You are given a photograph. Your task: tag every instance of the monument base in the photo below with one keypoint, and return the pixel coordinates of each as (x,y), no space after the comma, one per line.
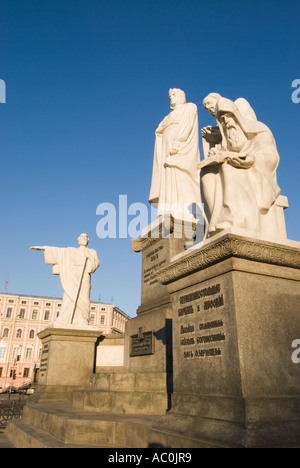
(148,338)
(233,307)
(67,361)
(235,317)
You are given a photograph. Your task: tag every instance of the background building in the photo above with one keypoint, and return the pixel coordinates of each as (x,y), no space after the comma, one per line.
(22,317)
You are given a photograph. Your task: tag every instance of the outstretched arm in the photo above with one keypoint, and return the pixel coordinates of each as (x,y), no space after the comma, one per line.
(37,248)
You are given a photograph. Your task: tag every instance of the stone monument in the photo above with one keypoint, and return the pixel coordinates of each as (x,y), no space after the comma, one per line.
(238,175)
(175,178)
(208,359)
(175,192)
(74,266)
(68,351)
(235,297)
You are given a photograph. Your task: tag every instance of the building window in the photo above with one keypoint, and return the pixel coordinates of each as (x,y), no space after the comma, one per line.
(34,315)
(36,303)
(23,302)
(103,308)
(28,353)
(22,313)
(11,301)
(5,332)
(1,370)
(92,319)
(9,312)
(19,333)
(31,334)
(2,352)
(12,374)
(48,304)
(47,315)
(102,320)
(26,372)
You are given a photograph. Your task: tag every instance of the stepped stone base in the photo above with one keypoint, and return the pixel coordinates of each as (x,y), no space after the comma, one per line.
(117,404)
(231,380)
(60,425)
(125,393)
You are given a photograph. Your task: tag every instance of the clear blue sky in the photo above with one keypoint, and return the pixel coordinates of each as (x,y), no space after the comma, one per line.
(87,84)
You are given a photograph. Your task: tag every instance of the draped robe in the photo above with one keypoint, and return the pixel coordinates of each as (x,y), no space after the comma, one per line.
(243,197)
(175,178)
(68,263)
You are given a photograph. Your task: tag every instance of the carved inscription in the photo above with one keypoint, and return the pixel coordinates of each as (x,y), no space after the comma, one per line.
(44,359)
(155,264)
(142,344)
(199,294)
(201,337)
(185,311)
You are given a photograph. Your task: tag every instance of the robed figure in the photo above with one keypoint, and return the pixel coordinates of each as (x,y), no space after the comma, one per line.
(238,176)
(74,266)
(175,180)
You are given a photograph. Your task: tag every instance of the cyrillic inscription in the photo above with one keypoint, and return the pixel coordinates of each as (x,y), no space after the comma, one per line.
(44,360)
(214,303)
(185,311)
(210,338)
(142,344)
(201,306)
(199,294)
(213,324)
(149,273)
(187,329)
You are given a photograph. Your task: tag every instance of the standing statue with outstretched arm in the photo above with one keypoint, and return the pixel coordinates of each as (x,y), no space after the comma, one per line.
(74,266)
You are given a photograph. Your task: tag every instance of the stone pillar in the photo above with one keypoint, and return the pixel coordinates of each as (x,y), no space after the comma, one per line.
(148,336)
(67,361)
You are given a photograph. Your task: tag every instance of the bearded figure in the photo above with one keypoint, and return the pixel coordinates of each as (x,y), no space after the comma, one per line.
(238,177)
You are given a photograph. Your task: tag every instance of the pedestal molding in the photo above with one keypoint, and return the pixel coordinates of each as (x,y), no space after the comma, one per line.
(230,246)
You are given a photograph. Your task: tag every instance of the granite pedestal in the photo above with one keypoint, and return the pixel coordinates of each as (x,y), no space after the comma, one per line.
(148,336)
(235,316)
(67,361)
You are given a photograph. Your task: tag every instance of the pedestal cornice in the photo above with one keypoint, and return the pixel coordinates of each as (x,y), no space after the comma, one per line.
(226,247)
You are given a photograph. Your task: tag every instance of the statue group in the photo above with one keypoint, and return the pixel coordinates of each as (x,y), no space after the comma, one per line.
(235,183)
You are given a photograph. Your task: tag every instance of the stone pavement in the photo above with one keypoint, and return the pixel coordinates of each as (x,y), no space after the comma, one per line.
(4,443)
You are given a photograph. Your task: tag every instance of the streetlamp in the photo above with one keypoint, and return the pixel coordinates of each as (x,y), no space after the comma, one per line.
(9,349)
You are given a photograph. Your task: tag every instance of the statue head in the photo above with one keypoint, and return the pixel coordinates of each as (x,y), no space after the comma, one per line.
(83,239)
(210,102)
(177,96)
(233,132)
(233,126)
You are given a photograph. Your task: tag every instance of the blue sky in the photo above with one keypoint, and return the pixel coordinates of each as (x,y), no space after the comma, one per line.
(87,84)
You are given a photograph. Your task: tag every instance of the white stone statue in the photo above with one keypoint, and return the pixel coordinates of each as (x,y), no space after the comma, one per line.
(175,179)
(74,265)
(238,176)
(211,135)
